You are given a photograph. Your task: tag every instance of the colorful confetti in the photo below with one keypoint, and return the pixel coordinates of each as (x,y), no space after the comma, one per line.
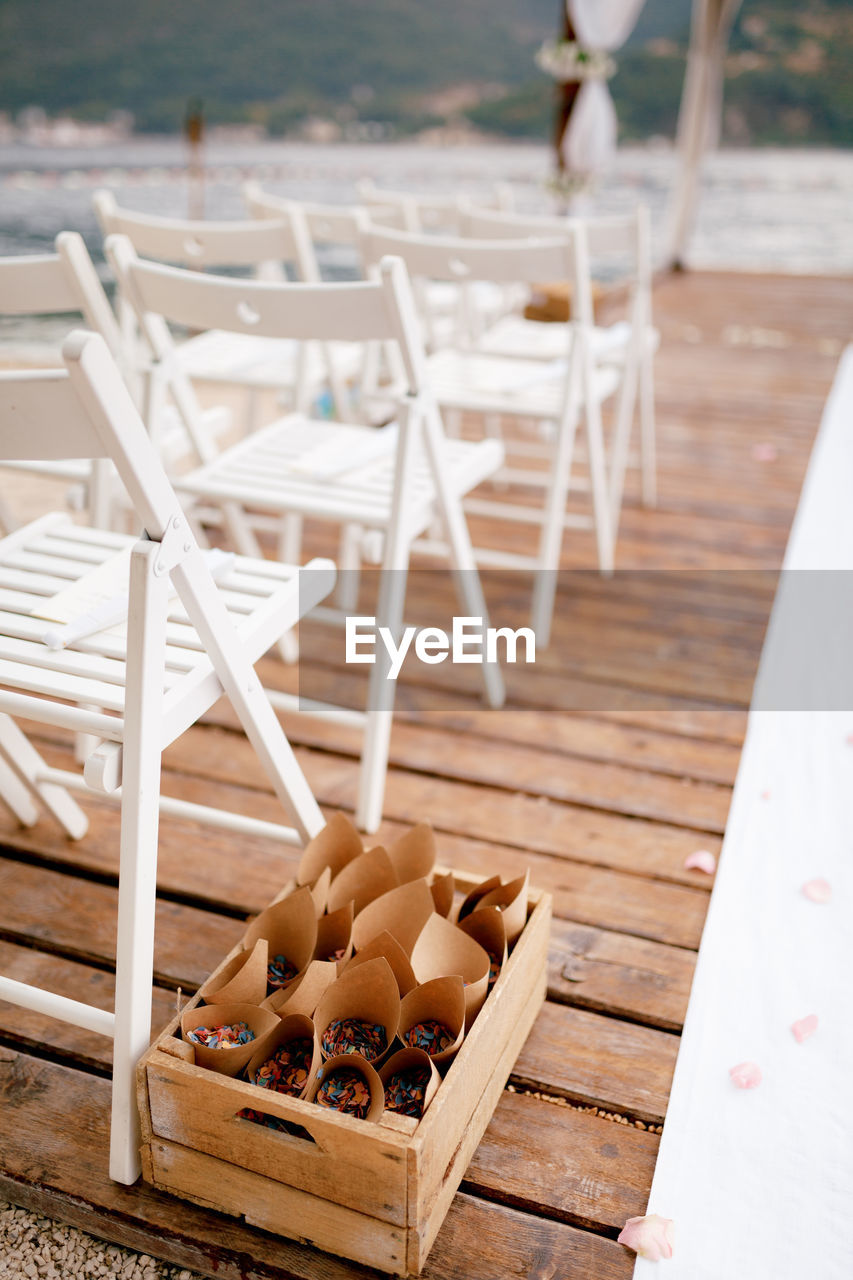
(405,1091)
(431,1036)
(345,1091)
(280,971)
(351,1035)
(287,1070)
(222,1037)
(494,968)
(335,955)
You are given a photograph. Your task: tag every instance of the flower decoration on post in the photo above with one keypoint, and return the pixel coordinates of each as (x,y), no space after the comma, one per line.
(567,61)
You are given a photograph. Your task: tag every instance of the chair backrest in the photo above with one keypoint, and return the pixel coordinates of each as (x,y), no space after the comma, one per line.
(327,223)
(460,259)
(86,411)
(437,213)
(349,311)
(625,235)
(59,283)
(199,244)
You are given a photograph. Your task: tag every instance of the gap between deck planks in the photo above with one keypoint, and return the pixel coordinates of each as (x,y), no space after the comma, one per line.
(593,798)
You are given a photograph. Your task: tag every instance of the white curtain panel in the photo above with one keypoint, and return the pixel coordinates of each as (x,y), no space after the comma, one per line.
(590,139)
(604,24)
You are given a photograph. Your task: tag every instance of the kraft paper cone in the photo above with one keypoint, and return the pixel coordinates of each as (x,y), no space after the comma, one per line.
(402,912)
(408,1060)
(413,854)
(304,992)
(367,992)
(486,926)
(320,890)
(294,1027)
(242,981)
(385,944)
(229,1061)
(442,950)
(367,877)
(442,999)
(333,847)
(334,933)
(353,1062)
(442,890)
(290,928)
(475,895)
(512,900)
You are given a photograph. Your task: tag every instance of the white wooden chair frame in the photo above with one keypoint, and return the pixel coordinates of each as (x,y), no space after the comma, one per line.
(634,351)
(399,496)
(174,663)
(57,284)
(300,369)
(578,391)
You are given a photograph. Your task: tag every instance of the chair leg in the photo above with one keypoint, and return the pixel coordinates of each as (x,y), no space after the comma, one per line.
(598,481)
(389,613)
(290,552)
(140,813)
(25,763)
(551,538)
(462,558)
(648,459)
(625,407)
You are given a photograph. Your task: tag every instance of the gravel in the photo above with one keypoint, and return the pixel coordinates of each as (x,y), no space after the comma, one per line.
(36,1248)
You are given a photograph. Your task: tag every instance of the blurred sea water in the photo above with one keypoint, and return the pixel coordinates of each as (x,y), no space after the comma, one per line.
(760,210)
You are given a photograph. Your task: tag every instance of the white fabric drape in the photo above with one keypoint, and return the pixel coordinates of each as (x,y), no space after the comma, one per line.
(590,139)
(604,24)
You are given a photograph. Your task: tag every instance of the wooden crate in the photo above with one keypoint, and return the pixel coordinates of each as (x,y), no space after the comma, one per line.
(373,1192)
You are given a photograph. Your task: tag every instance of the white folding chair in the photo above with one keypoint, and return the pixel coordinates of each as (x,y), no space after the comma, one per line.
(445,306)
(62,283)
(394,481)
(152,678)
(299,371)
(553,396)
(619,249)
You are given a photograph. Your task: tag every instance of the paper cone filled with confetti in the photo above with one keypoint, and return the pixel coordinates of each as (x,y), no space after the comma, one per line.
(225,1036)
(432,1018)
(367,877)
(410,1079)
(349,1084)
(442,889)
(486,926)
(243,980)
(413,854)
(386,945)
(304,993)
(334,936)
(512,900)
(333,847)
(290,928)
(402,912)
(477,894)
(359,1012)
(442,950)
(288,1061)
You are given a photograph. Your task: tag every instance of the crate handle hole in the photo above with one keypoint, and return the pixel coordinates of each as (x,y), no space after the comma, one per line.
(276,1124)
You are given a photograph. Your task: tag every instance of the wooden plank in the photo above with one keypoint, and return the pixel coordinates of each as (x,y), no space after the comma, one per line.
(563,1163)
(599,1062)
(57,1174)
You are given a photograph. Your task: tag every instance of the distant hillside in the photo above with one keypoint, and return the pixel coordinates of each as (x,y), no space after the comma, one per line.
(400,66)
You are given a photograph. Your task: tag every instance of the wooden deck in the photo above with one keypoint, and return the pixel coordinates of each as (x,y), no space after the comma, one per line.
(604,804)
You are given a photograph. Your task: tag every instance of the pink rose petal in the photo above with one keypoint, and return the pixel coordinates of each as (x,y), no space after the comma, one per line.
(849,739)
(701,860)
(764,452)
(652,1237)
(819,890)
(765,795)
(804,1027)
(746,1075)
